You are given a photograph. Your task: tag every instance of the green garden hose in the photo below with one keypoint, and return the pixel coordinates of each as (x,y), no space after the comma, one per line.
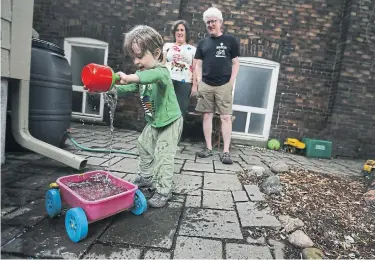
(97,150)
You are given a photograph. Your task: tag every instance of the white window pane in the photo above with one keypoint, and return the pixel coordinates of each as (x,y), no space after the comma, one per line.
(80,57)
(256,124)
(239,124)
(252,87)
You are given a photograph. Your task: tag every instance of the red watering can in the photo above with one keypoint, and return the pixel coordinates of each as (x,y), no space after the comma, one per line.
(98,78)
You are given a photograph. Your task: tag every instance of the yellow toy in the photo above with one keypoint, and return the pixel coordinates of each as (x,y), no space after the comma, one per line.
(368,168)
(53,185)
(293,145)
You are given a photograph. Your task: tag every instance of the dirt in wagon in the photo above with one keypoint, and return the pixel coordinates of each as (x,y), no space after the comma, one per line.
(336,217)
(96,187)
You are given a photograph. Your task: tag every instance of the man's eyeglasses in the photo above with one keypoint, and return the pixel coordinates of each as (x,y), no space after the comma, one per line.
(211,21)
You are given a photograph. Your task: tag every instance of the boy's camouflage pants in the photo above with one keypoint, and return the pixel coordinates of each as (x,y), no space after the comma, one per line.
(157,148)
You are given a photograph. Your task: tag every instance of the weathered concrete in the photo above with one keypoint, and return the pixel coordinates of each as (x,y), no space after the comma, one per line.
(240,251)
(197,248)
(200,218)
(217,199)
(224,182)
(155,228)
(251,217)
(210,223)
(254,193)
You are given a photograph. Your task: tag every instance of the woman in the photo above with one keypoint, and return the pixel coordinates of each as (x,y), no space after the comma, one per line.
(179,57)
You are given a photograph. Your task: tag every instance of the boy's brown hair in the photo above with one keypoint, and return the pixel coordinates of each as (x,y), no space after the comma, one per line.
(147,39)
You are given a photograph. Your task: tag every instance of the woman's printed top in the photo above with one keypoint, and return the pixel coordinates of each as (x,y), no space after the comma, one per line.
(179,61)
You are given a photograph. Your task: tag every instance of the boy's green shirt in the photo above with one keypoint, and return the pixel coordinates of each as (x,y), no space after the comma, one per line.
(157,95)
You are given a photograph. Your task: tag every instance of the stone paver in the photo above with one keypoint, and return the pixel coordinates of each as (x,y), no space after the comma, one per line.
(185,156)
(9,232)
(18,196)
(210,223)
(243,251)
(193,201)
(197,248)
(99,251)
(278,248)
(177,168)
(96,161)
(225,172)
(192,173)
(7,210)
(119,174)
(225,182)
(198,167)
(154,254)
(128,165)
(155,228)
(235,167)
(251,217)
(187,184)
(217,199)
(208,205)
(28,215)
(112,160)
(240,196)
(252,160)
(254,193)
(33,182)
(49,240)
(130,177)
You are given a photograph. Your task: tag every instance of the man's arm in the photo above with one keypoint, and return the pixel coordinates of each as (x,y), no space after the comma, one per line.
(235,68)
(197,75)
(198,70)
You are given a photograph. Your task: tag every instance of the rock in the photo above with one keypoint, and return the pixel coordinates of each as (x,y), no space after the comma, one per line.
(272,185)
(312,253)
(349,239)
(290,224)
(279,167)
(260,240)
(369,197)
(257,171)
(300,239)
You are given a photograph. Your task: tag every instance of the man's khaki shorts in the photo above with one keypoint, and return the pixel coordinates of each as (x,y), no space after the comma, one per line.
(214,99)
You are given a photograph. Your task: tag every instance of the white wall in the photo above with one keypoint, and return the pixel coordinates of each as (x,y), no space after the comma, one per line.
(4,97)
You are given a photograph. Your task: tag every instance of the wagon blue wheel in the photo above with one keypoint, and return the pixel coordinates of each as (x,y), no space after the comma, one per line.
(140,203)
(53,202)
(76,224)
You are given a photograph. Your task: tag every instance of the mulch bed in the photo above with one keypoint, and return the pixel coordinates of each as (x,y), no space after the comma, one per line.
(331,207)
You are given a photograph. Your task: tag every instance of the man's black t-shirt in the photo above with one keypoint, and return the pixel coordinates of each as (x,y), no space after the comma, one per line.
(216,54)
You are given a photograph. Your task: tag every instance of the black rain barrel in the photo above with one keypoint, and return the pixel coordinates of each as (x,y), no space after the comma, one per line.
(51,93)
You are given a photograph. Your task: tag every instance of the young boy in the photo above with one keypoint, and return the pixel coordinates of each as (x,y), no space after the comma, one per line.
(157,145)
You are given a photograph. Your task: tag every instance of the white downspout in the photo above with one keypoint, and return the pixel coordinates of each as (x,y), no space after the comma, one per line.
(20,129)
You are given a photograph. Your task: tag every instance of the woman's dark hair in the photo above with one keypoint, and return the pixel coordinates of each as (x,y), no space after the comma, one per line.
(174,29)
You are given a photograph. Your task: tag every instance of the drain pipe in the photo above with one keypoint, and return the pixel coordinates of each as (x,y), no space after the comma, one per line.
(20,129)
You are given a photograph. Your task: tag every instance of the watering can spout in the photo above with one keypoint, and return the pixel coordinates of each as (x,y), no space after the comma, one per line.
(98,78)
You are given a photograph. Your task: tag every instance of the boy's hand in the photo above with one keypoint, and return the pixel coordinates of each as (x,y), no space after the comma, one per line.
(123,78)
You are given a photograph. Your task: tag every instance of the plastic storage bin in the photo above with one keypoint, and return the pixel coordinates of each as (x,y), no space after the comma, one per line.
(317,148)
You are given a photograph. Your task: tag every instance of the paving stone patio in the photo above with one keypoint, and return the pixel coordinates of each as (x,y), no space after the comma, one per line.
(209,216)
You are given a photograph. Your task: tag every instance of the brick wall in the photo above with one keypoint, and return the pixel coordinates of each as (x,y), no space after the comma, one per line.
(105,20)
(325,87)
(352,123)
